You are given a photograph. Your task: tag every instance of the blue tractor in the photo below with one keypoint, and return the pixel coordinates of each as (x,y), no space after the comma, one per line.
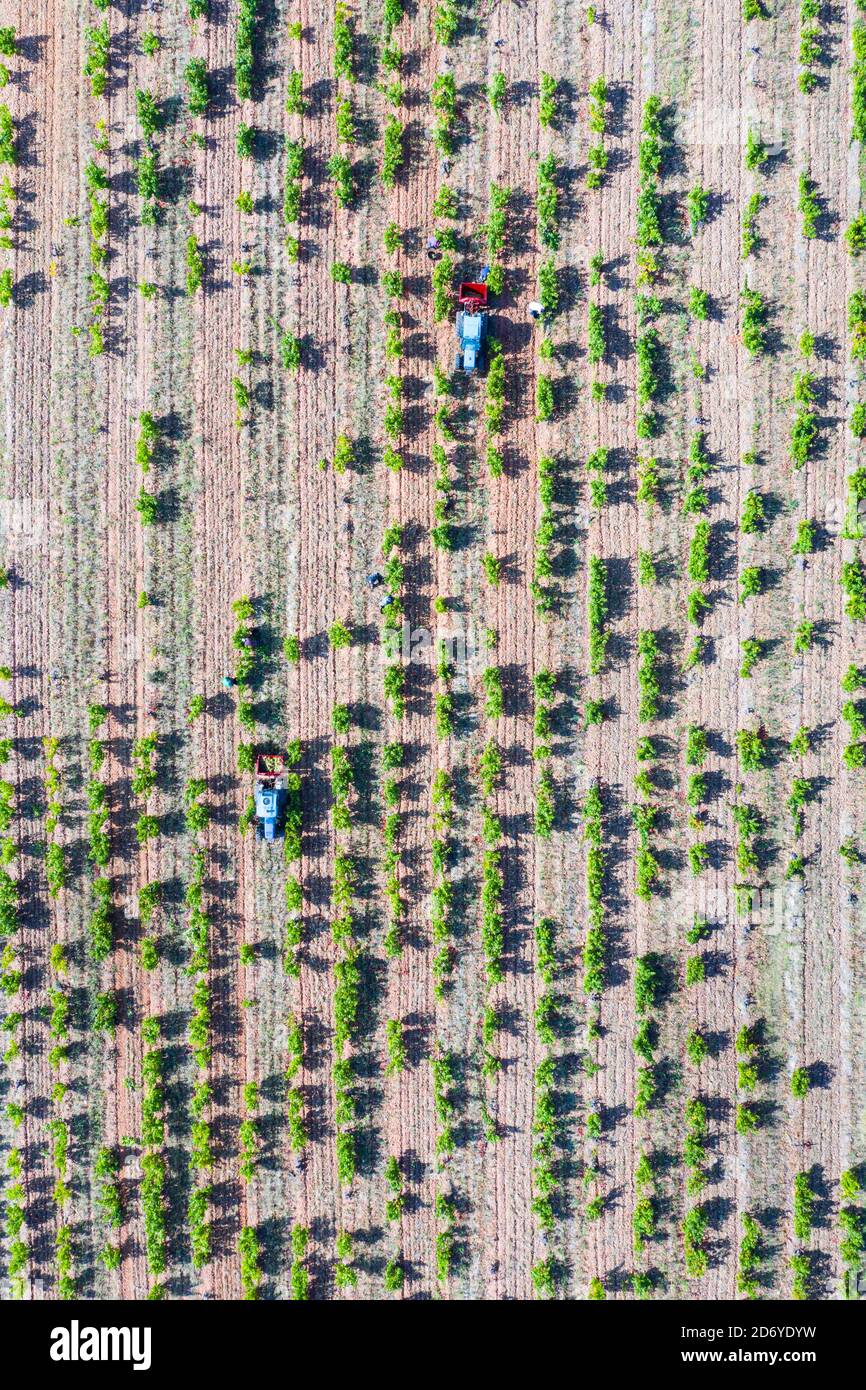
(471,327)
(270,795)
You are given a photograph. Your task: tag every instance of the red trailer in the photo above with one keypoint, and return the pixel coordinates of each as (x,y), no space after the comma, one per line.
(472,296)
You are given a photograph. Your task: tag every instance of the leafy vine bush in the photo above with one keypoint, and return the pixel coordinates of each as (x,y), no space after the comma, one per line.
(750,240)
(751,582)
(443,99)
(596,342)
(340,169)
(544,398)
(753,323)
(853,580)
(446,22)
(492,928)
(851,1223)
(855,235)
(442,894)
(496,92)
(597,154)
(699,303)
(751,748)
(646,865)
(347,978)
(344,44)
(856,495)
(295,104)
(548,286)
(97,44)
(544,684)
(594,947)
(597,613)
(699,553)
(697,206)
(648,352)
(199,1226)
(748,1257)
(858,81)
(648,680)
(752,650)
(245,47)
(857,325)
(810,45)
(808,206)
(647,482)
(547,202)
(494,703)
(249,1251)
(545,805)
(194,266)
(753,515)
(393,1177)
(494,406)
(100,923)
(153,1205)
(63,1253)
(444,1081)
(197,86)
(804,1203)
(106,1171)
(393,154)
(804,541)
(646,983)
(804,430)
(443,277)
(756,153)
(545,534)
(547,91)
(292,188)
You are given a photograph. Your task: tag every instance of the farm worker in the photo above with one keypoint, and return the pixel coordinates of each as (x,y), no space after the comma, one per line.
(432,247)
(535,309)
(485,271)
(228,681)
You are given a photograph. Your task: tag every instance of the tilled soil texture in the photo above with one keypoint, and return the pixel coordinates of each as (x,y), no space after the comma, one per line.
(230,422)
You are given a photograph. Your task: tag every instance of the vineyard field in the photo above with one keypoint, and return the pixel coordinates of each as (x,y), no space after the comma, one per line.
(552,982)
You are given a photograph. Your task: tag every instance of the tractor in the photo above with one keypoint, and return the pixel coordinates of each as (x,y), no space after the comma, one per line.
(270,795)
(471,326)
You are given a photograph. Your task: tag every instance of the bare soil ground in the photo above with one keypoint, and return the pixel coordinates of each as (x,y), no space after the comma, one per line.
(250,510)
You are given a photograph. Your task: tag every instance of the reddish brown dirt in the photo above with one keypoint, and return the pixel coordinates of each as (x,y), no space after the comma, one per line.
(250,511)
